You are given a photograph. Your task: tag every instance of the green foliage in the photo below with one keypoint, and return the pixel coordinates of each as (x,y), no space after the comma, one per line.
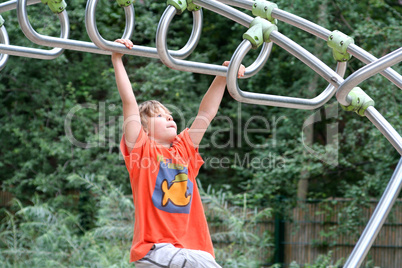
(243,247)
(41,235)
(58,181)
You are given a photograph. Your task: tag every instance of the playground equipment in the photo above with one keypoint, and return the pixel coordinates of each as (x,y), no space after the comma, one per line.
(262,32)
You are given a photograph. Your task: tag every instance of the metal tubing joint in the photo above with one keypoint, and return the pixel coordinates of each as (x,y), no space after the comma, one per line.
(124,3)
(191,6)
(339,43)
(56,6)
(259,32)
(264,10)
(359,101)
(180,5)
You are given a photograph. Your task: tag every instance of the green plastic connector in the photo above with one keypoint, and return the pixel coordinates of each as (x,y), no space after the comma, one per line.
(259,32)
(124,3)
(360,101)
(191,6)
(339,43)
(56,6)
(180,5)
(1,21)
(264,10)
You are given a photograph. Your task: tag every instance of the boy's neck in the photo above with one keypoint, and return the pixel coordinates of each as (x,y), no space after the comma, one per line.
(162,144)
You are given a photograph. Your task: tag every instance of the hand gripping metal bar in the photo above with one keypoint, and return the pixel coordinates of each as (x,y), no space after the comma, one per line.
(244,20)
(62,42)
(197,67)
(35,53)
(320,32)
(148,52)
(272,100)
(365,73)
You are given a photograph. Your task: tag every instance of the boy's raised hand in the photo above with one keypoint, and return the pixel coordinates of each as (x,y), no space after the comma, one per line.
(125,42)
(242,69)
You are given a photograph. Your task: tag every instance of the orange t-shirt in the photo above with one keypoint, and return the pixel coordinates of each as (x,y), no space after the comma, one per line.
(168,206)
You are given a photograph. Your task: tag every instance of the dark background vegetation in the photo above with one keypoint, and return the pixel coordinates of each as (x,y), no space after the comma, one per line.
(72,205)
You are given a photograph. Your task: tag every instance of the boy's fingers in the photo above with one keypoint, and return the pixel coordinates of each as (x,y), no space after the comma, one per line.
(125,42)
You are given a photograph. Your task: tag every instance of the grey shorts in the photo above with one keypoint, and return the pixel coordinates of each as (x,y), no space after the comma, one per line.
(168,256)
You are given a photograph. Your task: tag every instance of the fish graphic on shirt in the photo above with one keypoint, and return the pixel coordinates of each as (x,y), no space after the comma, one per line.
(177,191)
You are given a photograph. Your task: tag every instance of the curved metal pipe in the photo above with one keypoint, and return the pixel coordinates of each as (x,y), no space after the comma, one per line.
(94,35)
(12,4)
(196,67)
(320,32)
(273,100)
(377,219)
(365,73)
(35,53)
(3,40)
(367,58)
(385,128)
(246,4)
(226,11)
(305,56)
(62,42)
(301,23)
(262,58)
(130,22)
(323,33)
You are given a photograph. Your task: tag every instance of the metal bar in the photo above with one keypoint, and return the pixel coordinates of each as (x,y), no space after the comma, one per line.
(366,72)
(385,127)
(287,17)
(26,51)
(3,40)
(323,33)
(181,65)
(62,42)
(94,35)
(262,58)
(226,11)
(246,4)
(320,32)
(367,58)
(11,5)
(306,57)
(301,23)
(35,53)
(196,67)
(273,100)
(377,219)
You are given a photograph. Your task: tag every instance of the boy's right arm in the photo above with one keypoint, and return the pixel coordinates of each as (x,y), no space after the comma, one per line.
(131,114)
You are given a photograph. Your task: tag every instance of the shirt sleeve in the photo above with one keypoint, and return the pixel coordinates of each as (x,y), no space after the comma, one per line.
(132,158)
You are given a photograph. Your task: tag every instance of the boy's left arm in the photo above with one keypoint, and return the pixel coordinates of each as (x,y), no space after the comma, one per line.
(209,106)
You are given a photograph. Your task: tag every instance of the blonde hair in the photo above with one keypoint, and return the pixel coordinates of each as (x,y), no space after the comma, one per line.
(148,109)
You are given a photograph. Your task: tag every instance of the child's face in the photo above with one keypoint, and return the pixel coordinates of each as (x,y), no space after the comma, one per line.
(162,128)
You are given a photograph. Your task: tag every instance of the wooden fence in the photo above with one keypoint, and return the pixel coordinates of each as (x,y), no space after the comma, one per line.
(5,198)
(314,229)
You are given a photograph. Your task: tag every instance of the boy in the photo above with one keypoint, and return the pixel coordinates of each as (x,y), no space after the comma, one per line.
(170,227)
